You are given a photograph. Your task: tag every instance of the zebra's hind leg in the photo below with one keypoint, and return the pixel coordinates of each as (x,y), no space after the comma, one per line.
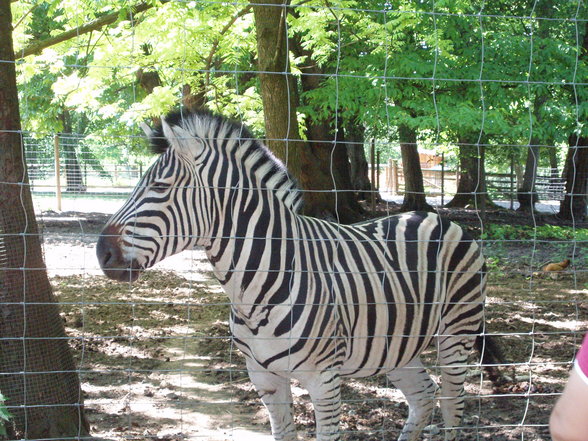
(453,356)
(276,395)
(415,383)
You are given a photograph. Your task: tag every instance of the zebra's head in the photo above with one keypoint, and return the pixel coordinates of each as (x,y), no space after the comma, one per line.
(161,217)
(204,161)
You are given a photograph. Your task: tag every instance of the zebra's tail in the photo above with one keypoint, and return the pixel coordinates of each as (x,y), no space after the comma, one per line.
(492,356)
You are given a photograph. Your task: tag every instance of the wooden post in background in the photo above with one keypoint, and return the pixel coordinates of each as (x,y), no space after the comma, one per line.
(378,171)
(388,178)
(394,174)
(57,172)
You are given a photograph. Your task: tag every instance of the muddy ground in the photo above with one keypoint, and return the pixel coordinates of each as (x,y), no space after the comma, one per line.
(156,360)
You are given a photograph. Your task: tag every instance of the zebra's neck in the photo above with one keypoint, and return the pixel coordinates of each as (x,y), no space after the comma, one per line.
(253,246)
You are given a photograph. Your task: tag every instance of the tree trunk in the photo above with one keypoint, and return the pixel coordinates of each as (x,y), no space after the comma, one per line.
(193,100)
(330,150)
(279,97)
(414,189)
(327,142)
(471,185)
(574,205)
(39,376)
(148,80)
(358,165)
(73,172)
(526,194)
(553,172)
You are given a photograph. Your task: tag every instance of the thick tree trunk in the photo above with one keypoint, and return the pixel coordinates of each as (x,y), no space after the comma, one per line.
(553,172)
(277,85)
(471,185)
(358,165)
(327,142)
(148,80)
(526,194)
(38,374)
(330,150)
(574,205)
(279,97)
(414,189)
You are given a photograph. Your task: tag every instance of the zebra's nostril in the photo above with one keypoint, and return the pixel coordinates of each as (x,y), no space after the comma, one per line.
(107,248)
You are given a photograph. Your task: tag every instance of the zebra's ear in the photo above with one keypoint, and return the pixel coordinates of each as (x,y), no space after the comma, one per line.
(181,140)
(148,130)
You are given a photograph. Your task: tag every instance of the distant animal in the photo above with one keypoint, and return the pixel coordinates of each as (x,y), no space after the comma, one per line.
(560,266)
(310,299)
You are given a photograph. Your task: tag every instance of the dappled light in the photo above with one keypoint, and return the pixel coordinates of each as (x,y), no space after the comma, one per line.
(272,220)
(159,356)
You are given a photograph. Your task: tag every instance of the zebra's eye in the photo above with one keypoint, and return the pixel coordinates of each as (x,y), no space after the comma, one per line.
(160,187)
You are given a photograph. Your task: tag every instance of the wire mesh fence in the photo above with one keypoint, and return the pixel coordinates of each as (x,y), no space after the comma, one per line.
(488,95)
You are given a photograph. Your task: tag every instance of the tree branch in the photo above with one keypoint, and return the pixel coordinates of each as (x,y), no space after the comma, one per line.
(24,16)
(216,42)
(94,25)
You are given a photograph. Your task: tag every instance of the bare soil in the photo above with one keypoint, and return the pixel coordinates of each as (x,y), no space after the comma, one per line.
(156,360)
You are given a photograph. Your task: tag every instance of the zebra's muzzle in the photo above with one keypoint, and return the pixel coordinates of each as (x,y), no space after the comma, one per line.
(111,259)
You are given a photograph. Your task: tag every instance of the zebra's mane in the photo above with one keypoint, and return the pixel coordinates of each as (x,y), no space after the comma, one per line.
(249,152)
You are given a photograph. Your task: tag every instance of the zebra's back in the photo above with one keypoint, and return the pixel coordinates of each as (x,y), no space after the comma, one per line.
(402,280)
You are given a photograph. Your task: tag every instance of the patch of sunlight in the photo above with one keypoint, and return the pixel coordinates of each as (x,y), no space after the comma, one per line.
(187,381)
(570,325)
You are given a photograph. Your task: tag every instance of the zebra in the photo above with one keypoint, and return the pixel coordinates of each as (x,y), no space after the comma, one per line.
(311,300)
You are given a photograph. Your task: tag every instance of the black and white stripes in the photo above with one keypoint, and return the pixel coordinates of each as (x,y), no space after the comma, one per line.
(311,300)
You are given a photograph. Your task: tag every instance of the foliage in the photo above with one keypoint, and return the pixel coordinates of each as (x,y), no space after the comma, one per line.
(539,232)
(4,415)
(94,77)
(503,73)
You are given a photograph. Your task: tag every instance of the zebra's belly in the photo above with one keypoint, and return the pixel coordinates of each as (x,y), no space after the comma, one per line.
(387,334)
(286,353)
(380,354)
(360,356)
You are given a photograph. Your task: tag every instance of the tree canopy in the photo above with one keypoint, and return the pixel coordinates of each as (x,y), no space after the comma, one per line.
(503,74)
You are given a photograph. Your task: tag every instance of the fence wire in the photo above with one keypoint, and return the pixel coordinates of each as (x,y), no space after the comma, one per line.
(155,358)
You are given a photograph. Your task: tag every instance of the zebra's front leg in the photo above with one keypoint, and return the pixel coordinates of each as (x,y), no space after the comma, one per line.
(416,384)
(276,395)
(324,389)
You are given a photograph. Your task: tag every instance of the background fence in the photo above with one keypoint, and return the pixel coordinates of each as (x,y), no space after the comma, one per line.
(83,175)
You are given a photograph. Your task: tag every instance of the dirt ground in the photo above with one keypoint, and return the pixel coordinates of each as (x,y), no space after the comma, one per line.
(156,360)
